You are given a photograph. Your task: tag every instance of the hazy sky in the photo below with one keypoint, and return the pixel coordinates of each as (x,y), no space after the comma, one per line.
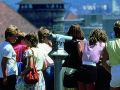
(79,6)
(89,6)
(12,3)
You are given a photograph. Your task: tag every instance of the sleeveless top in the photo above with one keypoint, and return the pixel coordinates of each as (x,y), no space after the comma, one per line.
(91,53)
(113,48)
(74,59)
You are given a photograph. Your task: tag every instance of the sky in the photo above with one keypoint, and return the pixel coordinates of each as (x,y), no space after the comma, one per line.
(89,6)
(78,6)
(12,3)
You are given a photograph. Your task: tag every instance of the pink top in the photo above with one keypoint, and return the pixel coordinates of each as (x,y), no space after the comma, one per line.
(92,53)
(19,49)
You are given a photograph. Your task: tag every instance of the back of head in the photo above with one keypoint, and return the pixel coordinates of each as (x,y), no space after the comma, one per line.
(43,34)
(10,31)
(43,31)
(116,28)
(99,34)
(32,38)
(92,41)
(20,36)
(76,32)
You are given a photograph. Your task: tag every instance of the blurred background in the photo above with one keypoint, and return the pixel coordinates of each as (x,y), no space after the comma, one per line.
(58,15)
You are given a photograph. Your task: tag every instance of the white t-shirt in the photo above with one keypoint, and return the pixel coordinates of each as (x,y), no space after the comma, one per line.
(38,57)
(46,49)
(6,50)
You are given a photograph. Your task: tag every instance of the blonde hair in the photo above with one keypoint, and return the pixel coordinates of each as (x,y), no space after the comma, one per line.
(43,33)
(11,30)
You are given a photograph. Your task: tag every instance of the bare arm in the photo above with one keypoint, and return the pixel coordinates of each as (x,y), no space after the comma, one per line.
(4,68)
(104,58)
(29,67)
(80,49)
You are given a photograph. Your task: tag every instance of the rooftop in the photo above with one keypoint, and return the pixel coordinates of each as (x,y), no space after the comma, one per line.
(9,16)
(42,2)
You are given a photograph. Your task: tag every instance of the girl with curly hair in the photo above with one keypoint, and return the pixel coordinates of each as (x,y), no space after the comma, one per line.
(91,56)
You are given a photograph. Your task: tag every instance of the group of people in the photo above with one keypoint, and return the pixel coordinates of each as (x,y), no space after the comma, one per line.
(20,52)
(94,63)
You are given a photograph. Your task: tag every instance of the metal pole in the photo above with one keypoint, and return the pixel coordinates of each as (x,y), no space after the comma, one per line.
(58,73)
(58,56)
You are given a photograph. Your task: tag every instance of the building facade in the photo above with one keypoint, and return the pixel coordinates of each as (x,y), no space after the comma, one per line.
(58,15)
(46,13)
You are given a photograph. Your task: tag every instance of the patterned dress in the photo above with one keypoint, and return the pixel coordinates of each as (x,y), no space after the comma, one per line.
(39,59)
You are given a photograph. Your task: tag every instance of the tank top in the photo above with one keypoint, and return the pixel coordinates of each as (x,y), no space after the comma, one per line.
(74,60)
(92,53)
(113,48)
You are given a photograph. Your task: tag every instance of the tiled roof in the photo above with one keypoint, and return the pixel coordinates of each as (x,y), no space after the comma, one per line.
(42,2)
(9,16)
(71,16)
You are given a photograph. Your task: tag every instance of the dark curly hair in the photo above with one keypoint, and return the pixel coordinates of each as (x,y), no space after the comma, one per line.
(92,41)
(76,32)
(99,34)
